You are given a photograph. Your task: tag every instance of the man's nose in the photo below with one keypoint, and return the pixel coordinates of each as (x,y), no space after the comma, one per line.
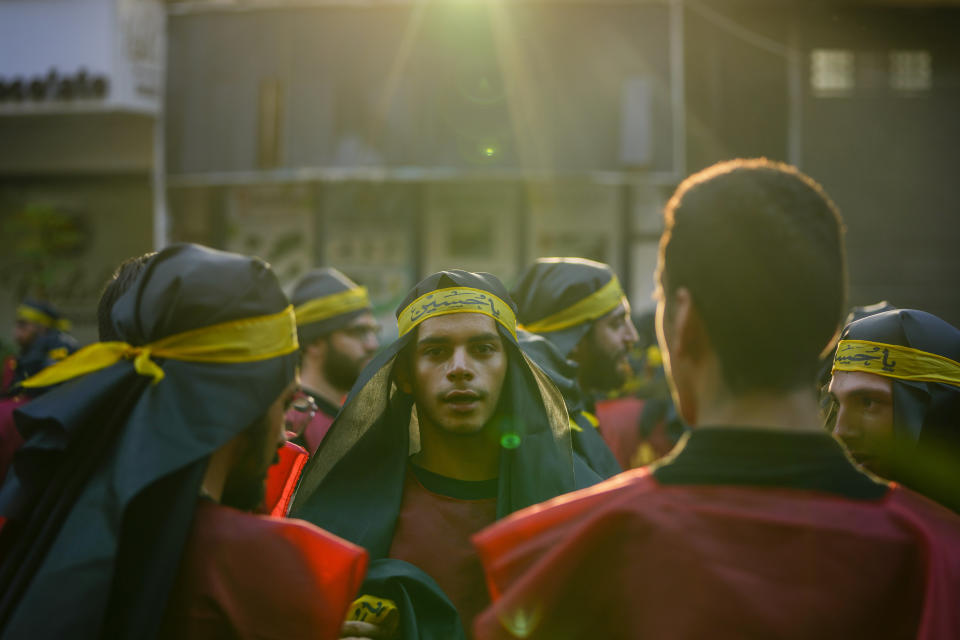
(845,428)
(630,335)
(459,365)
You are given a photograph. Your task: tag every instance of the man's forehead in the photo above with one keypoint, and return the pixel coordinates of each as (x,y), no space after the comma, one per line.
(618,311)
(847,382)
(365,319)
(457,325)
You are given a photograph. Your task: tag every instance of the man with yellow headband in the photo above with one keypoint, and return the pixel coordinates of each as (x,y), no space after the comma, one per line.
(127,511)
(577,328)
(896,394)
(41,336)
(338,337)
(449,428)
(757,525)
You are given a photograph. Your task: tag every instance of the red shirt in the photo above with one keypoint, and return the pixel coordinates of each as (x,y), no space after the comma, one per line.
(433,532)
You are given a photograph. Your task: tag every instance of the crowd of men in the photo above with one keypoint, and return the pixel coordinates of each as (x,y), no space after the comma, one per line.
(228,462)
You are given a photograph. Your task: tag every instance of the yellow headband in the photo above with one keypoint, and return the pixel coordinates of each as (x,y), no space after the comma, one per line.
(457,300)
(895,361)
(597,304)
(245,340)
(39,317)
(333,305)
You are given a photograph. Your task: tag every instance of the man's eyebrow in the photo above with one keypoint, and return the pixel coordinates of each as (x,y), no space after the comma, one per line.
(484,337)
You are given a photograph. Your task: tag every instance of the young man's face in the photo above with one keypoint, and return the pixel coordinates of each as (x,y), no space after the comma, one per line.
(864,418)
(602,352)
(457,370)
(348,350)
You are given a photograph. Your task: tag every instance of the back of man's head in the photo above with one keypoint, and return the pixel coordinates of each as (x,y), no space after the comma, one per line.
(759,246)
(127,271)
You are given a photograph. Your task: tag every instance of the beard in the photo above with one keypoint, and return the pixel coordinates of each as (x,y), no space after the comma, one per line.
(340,369)
(603,371)
(245,486)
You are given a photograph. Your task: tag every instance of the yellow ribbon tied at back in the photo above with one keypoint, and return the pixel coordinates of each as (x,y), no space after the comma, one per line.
(245,340)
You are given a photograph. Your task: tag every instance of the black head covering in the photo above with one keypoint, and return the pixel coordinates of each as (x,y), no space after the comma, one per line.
(926,414)
(552,285)
(316,285)
(121,460)
(353,486)
(43,313)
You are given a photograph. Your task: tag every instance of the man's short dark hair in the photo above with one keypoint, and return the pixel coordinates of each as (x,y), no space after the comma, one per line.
(759,245)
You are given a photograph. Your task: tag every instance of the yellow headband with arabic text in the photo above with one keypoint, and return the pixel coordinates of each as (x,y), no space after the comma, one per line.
(894,361)
(244,340)
(456,300)
(43,319)
(333,305)
(597,304)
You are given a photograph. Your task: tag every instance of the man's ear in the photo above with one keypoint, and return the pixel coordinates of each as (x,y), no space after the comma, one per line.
(585,344)
(687,331)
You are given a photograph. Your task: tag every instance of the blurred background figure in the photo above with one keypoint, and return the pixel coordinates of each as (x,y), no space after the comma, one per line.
(896,396)
(338,337)
(577,328)
(40,333)
(642,408)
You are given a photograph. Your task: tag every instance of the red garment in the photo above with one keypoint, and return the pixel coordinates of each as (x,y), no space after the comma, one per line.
(8,369)
(247,576)
(630,558)
(433,532)
(619,427)
(282,479)
(10,439)
(312,428)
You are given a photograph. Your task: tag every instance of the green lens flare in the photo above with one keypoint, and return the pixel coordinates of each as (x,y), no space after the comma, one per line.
(510,441)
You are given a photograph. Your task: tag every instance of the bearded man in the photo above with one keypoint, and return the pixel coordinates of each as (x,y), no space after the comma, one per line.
(338,337)
(577,328)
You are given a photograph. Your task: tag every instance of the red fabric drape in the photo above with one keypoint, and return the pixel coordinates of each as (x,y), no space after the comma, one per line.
(630,558)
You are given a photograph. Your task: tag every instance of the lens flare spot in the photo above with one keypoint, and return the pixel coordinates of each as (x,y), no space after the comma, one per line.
(510,441)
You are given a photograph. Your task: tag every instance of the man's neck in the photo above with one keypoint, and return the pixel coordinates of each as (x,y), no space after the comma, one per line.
(461,457)
(788,411)
(316,383)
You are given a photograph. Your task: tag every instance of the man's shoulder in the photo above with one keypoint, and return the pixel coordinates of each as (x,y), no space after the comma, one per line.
(937,523)
(228,528)
(569,508)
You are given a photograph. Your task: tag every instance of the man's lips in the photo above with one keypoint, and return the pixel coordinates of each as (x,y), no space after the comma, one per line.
(462,399)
